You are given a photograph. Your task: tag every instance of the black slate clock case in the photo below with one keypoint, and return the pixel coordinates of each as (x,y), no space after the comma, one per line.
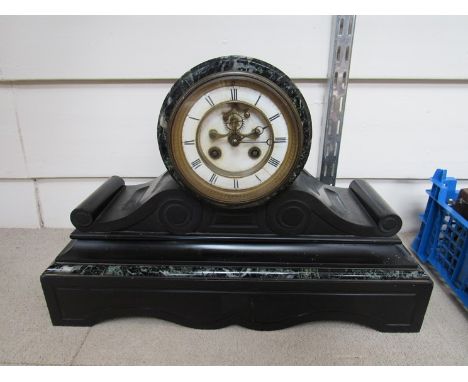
(311,252)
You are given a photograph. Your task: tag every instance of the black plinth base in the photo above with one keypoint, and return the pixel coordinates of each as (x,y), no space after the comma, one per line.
(262,284)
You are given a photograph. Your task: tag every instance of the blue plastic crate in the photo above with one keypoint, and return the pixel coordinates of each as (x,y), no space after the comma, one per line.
(442,241)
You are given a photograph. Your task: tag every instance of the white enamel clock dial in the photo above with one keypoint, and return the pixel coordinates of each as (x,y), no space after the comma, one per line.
(234,137)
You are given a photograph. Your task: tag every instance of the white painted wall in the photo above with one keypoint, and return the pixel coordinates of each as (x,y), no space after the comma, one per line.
(80,96)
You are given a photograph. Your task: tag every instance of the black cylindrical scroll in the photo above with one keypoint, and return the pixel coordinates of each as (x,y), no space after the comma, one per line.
(384,216)
(86,213)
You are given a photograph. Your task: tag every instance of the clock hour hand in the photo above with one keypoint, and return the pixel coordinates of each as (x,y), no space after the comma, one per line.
(261,129)
(213,133)
(255,133)
(235,137)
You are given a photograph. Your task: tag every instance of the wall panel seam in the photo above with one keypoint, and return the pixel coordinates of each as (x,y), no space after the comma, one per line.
(19,132)
(38,203)
(170,81)
(25,160)
(74,178)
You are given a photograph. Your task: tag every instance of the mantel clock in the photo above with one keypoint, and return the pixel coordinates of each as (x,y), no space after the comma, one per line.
(236,231)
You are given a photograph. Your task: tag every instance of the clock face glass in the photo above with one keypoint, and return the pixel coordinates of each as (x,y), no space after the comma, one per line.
(235,138)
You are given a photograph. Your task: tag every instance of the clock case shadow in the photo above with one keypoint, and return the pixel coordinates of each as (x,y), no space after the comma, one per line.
(313,252)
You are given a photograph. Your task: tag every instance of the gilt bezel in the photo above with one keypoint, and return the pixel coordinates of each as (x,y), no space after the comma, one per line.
(222,195)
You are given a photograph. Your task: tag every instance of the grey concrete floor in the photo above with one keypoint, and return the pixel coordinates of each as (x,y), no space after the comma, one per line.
(27,336)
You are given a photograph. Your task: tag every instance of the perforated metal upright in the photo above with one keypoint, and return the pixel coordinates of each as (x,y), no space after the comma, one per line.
(338,75)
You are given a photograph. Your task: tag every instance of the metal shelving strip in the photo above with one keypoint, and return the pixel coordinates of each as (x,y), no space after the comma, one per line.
(339,65)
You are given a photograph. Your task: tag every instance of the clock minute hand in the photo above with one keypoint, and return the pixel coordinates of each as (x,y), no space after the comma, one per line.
(268,142)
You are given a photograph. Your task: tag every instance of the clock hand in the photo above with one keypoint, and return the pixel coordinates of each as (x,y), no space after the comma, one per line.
(234,136)
(269,142)
(261,129)
(213,133)
(252,134)
(256,132)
